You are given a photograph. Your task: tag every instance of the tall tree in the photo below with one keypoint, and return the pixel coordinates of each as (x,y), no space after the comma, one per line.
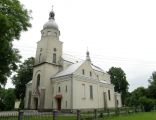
(152,86)
(118,78)
(23,76)
(14,18)
(7,99)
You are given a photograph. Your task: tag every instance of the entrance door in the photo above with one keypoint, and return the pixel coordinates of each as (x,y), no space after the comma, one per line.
(59,104)
(105,100)
(36,103)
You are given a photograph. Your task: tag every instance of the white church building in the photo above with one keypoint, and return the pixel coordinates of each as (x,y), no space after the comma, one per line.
(64,83)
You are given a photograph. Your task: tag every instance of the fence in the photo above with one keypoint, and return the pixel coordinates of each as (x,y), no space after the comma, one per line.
(96,114)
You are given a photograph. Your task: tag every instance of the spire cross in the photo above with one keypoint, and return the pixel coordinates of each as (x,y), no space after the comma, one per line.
(52,7)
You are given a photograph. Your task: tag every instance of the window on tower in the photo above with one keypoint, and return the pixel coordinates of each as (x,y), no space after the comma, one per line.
(54,57)
(39,59)
(38,81)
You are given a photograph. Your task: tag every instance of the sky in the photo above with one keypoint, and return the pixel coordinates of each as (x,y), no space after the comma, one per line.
(119,33)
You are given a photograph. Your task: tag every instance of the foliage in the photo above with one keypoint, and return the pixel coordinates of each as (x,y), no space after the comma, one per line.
(118,78)
(133,99)
(23,76)
(7,99)
(147,103)
(14,18)
(152,86)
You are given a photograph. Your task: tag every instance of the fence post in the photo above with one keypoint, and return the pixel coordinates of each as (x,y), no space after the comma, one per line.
(55,115)
(78,114)
(95,114)
(20,114)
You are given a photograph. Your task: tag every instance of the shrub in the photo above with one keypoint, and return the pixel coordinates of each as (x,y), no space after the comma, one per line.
(147,103)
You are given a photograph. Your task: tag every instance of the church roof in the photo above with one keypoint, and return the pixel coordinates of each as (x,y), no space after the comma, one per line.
(74,59)
(69,70)
(71,58)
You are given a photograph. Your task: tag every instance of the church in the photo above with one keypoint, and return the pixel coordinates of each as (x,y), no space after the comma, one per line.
(63,82)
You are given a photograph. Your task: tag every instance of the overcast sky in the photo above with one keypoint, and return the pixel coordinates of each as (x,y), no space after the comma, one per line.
(118,33)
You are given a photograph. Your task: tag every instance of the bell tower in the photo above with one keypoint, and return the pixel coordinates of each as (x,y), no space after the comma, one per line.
(49,48)
(47,64)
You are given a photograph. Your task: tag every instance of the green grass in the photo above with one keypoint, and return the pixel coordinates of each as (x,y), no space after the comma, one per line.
(134,116)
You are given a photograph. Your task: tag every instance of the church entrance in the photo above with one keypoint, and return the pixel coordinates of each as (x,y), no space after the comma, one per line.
(36,103)
(59,104)
(58,99)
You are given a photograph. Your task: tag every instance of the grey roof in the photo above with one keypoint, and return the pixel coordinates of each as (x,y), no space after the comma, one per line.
(74,59)
(69,70)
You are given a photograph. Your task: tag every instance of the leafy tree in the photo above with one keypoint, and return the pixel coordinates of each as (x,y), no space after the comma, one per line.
(133,99)
(118,78)
(2,93)
(147,103)
(152,86)
(14,18)
(7,99)
(23,76)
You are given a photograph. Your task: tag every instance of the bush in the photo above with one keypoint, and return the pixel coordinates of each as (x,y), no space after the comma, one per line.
(147,103)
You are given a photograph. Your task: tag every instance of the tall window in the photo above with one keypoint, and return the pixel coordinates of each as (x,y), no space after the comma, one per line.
(91,92)
(59,89)
(39,59)
(38,81)
(66,88)
(54,57)
(83,72)
(109,96)
(90,74)
(83,91)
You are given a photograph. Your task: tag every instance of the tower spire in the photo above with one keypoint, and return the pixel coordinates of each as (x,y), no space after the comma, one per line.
(52,14)
(87,55)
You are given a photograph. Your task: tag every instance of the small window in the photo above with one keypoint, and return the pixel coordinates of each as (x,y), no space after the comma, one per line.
(97,76)
(91,92)
(38,81)
(66,88)
(83,72)
(90,74)
(55,49)
(109,96)
(59,89)
(54,57)
(49,33)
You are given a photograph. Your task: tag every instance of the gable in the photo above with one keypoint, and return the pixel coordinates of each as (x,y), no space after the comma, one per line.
(69,70)
(88,70)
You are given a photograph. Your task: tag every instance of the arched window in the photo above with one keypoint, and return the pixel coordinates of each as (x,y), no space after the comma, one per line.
(90,74)
(39,59)
(83,72)
(59,89)
(38,81)
(54,57)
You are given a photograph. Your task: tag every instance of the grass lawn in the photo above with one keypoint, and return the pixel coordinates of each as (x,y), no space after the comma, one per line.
(136,116)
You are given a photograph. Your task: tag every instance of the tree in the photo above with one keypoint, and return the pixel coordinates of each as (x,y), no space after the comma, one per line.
(118,78)
(23,76)
(7,99)
(14,18)
(152,86)
(133,99)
